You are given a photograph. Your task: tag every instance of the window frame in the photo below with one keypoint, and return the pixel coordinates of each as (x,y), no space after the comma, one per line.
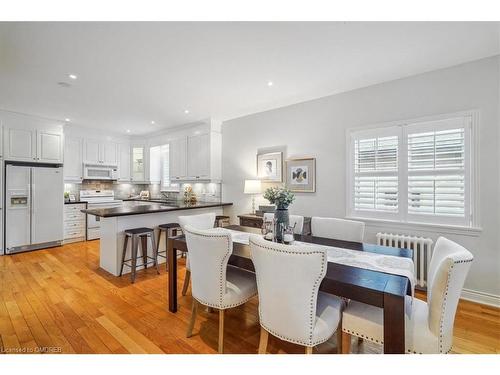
(471,203)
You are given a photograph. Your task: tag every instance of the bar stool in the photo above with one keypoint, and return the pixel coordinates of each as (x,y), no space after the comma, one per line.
(221,221)
(170,230)
(143,234)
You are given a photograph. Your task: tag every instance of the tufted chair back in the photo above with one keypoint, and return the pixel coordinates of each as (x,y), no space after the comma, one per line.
(288,279)
(339,229)
(296,220)
(202,221)
(209,252)
(448,269)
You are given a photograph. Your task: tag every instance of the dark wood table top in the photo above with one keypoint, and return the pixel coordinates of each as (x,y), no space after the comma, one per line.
(343,280)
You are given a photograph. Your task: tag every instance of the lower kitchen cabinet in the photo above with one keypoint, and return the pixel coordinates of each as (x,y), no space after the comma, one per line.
(75,225)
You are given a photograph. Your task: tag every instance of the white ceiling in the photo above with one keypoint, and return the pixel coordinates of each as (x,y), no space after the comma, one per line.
(132,73)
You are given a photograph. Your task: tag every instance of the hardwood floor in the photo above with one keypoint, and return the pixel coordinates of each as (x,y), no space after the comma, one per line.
(59,301)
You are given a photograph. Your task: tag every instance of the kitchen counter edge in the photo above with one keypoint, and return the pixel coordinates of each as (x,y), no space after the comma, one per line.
(144,210)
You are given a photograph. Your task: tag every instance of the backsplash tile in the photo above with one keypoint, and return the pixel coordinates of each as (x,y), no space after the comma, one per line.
(206,192)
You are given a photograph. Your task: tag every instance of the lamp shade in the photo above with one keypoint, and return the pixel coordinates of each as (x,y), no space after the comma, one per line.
(252,187)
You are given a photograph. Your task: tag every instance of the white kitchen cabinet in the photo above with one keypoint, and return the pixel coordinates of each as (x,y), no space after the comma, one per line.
(73,159)
(1,139)
(109,153)
(178,159)
(31,139)
(91,151)
(21,144)
(74,222)
(49,146)
(155,165)
(198,157)
(124,162)
(98,152)
(138,153)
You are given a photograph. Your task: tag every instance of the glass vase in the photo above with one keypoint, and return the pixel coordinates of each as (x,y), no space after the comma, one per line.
(282,219)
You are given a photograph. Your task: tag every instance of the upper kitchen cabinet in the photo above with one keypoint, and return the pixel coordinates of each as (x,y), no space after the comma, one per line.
(139,170)
(31,139)
(197,155)
(178,159)
(73,159)
(109,153)
(49,146)
(98,152)
(124,162)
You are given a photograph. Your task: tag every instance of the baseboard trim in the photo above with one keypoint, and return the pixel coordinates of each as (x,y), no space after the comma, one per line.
(481,297)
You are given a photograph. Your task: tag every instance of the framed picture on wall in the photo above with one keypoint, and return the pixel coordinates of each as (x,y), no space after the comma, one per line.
(301,175)
(270,166)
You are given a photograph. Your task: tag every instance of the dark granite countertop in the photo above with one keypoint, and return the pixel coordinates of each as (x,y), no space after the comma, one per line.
(151,208)
(155,200)
(75,202)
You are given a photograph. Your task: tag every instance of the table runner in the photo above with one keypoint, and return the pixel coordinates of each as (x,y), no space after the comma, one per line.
(362,259)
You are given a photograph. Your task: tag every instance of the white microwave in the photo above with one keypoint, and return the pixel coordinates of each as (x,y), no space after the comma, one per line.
(100,172)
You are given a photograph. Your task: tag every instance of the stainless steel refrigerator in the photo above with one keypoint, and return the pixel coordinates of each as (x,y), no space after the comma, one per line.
(34,207)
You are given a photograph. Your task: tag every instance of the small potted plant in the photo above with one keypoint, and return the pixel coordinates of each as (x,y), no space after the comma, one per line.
(282,198)
(66,196)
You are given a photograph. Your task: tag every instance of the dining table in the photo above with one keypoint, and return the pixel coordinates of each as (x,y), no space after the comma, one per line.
(373,287)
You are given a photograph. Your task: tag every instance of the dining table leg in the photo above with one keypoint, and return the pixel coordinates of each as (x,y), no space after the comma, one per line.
(394,316)
(172,275)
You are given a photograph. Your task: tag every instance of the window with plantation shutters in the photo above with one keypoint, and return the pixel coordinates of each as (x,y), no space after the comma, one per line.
(438,171)
(375,162)
(413,172)
(165,165)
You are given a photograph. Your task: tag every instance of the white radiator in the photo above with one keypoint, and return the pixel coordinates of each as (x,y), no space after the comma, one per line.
(422,252)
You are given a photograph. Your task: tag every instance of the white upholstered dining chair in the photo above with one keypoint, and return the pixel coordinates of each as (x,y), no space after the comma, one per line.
(429,327)
(214,283)
(339,229)
(291,307)
(202,221)
(296,221)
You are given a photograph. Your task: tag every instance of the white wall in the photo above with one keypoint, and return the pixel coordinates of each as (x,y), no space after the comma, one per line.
(317,128)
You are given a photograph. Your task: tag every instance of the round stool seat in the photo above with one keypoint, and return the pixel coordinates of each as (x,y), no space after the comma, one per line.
(138,231)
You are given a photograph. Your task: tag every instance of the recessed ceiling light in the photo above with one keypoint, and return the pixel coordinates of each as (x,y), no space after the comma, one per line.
(72,76)
(152,122)
(186,111)
(67,119)
(270,83)
(128,130)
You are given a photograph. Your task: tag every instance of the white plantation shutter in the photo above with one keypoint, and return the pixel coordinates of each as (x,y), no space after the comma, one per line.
(438,171)
(165,165)
(418,172)
(375,179)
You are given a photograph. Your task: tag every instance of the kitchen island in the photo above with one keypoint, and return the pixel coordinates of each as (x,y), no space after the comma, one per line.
(135,214)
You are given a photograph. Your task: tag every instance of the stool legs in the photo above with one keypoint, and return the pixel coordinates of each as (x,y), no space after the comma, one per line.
(155,251)
(125,243)
(143,239)
(144,248)
(135,247)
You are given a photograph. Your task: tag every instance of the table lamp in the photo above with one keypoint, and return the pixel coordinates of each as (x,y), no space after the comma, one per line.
(252,187)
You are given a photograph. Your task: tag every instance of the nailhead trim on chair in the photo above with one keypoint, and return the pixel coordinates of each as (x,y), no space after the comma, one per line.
(445,299)
(440,324)
(313,298)
(221,272)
